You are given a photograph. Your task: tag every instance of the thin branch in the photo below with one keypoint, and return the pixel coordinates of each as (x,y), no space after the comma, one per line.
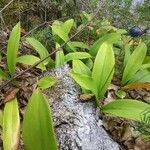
(38,62)
(6,6)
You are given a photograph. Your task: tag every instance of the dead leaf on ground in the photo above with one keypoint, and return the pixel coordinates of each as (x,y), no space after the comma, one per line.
(86,97)
(137,86)
(11,94)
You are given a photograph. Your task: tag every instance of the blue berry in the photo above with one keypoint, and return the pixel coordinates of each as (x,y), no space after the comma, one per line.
(135,31)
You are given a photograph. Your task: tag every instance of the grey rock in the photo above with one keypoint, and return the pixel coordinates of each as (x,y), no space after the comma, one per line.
(76,123)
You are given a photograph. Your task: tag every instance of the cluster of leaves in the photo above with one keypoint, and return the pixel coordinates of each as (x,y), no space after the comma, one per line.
(38,116)
(93,69)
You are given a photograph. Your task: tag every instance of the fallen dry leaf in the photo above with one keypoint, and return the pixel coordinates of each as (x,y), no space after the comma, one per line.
(137,86)
(11,94)
(86,97)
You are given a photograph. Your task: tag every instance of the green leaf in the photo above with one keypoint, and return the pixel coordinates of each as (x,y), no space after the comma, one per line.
(89,63)
(30,60)
(1,118)
(68,25)
(11,125)
(77,55)
(80,68)
(59,60)
(134,63)
(141,76)
(80,44)
(46,82)
(127,54)
(38,131)
(145,66)
(12,48)
(146,60)
(58,29)
(110,38)
(126,108)
(41,50)
(84,81)
(103,69)
(121,94)
(4,75)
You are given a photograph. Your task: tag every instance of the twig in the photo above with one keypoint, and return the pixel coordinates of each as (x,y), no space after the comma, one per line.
(37,63)
(6,6)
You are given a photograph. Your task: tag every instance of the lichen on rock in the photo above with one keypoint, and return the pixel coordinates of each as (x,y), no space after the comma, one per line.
(76,123)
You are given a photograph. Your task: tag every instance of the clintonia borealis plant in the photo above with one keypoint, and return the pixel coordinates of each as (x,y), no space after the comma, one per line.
(38,115)
(98,80)
(133,64)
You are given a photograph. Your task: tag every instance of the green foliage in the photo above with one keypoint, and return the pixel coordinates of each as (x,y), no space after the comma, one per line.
(1,118)
(110,37)
(127,108)
(134,63)
(84,81)
(61,32)
(102,72)
(30,60)
(103,69)
(12,48)
(127,54)
(80,68)
(59,29)
(38,131)
(3,75)
(121,94)
(59,59)
(77,55)
(11,125)
(144,125)
(41,50)
(46,82)
(141,76)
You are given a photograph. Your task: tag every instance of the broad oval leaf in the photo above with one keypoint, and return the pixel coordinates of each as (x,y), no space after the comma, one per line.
(141,76)
(67,25)
(11,125)
(80,68)
(134,63)
(30,60)
(41,50)
(38,131)
(57,28)
(84,81)
(127,108)
(77,55)
(103,69)
(110,38)
(12,48)
(46,82)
